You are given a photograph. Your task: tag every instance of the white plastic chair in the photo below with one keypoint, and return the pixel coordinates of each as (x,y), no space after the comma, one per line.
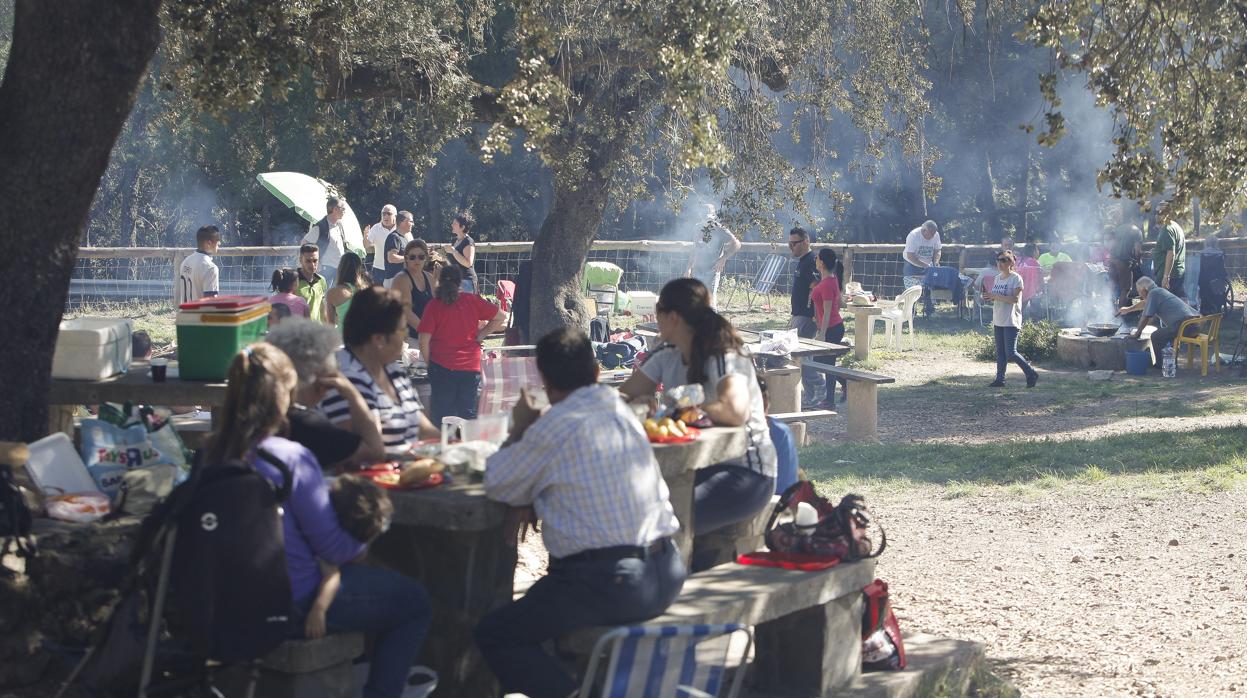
(894,318)
(663,660)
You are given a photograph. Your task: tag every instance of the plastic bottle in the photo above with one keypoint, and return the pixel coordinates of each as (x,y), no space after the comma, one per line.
(1169,367)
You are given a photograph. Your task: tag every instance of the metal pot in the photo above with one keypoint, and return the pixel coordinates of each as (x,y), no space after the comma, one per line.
(1102,329)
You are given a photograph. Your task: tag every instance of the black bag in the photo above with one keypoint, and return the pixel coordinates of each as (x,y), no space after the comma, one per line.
(1214,283)
(599,330)
(15,519)
(230,586)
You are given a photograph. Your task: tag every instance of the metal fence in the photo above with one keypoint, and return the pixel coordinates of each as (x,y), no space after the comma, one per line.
(127,274)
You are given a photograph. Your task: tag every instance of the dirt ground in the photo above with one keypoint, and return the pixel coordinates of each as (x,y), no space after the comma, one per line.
(1089,590)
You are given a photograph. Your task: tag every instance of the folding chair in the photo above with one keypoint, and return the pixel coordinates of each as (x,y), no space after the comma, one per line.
(664,660)
(764,282)
(502,377)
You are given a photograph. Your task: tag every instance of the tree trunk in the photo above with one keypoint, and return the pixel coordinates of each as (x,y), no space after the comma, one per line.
(560,251)
(73,73)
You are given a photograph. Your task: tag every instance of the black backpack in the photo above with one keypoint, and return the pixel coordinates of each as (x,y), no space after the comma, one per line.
(15,519)
(230,588)
(599,330)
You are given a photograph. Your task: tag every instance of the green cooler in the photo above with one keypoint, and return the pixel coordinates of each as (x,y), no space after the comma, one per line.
(211,331)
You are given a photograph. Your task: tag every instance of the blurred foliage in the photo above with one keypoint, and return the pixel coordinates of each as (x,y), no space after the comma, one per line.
(1036,341)
(1174,75)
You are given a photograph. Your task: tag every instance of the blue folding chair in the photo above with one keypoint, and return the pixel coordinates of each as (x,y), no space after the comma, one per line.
(648,661)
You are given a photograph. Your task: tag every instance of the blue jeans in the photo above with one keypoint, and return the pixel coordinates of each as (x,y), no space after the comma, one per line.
(812,381)
(466,286)
(1007,350)
(454,393)
(607,591)
(393,608)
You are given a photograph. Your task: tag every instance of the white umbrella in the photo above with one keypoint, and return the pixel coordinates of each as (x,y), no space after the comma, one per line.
(307,195)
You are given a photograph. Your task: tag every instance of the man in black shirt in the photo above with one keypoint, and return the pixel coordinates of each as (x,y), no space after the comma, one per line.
(805,276)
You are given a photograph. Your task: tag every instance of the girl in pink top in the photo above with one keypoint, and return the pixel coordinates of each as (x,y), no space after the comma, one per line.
(284,282)
(826,300)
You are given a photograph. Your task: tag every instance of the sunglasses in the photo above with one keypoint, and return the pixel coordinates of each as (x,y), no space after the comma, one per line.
(1003,259)
(416,257)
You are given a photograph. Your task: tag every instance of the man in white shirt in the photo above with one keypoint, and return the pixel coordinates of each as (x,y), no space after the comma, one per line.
(329,237)
(922,250)
(198,276)
(376,240)
(713,245)
(588,470)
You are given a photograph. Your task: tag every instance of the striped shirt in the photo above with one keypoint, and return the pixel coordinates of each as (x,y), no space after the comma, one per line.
(400,424)
(588,470)
(666,367)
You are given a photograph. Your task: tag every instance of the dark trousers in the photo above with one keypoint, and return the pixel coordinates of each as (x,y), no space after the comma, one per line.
(1164,336)
(1177,282)
(454,393)
(812,381)
(1007,350)
(605,591)
(393,608)
(833,335)
(1124,273)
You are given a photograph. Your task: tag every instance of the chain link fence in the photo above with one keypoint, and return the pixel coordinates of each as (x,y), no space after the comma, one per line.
(104,275)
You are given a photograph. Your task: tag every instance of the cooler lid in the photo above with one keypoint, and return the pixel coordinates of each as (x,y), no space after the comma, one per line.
(223,303)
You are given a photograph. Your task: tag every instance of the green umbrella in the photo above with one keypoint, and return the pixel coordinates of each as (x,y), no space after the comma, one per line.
(307,195)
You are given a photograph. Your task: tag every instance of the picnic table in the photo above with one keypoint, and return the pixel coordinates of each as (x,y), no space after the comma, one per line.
(451,539)
(135,385)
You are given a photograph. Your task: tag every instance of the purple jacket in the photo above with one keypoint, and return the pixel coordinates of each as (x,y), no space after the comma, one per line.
(308,523)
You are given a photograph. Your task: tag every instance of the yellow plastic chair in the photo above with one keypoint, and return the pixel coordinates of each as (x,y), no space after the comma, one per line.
(1202,340)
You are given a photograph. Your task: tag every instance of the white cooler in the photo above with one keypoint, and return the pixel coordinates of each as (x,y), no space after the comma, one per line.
(92,348)
(643,302)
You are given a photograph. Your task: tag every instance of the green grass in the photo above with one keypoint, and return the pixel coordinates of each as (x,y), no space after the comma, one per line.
(156,317)
(1205,460)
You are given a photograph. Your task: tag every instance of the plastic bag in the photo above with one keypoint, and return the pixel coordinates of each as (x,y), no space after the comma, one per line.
(78,508)
(109,451)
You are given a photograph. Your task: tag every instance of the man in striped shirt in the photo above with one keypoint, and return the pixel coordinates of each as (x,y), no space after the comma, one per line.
(588,471)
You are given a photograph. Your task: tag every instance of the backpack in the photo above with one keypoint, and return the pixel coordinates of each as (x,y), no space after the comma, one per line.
(1213,282)
(15,518)
(229,593)
(621,354)
(882,645)
(229,583)
(840,531)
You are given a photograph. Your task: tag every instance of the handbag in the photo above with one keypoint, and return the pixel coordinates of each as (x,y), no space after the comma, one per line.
(840,531)
(882,646)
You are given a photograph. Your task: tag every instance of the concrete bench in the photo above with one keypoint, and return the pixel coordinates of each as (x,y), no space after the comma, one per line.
(796,421)
(318,668)
(808,624)
(863,404)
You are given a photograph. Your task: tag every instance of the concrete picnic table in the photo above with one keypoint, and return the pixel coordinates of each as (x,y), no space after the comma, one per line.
(135,385)
(451,539)
(862,321)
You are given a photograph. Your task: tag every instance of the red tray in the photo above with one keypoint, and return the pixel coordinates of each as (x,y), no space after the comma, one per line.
(788,561)
(693,433)
(375,471)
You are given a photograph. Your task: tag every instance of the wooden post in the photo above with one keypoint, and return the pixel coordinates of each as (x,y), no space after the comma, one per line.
(846,258)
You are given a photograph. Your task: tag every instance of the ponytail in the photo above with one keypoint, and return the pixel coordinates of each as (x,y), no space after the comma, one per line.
(448,281)
(284,280)
(831,261)
(713,334)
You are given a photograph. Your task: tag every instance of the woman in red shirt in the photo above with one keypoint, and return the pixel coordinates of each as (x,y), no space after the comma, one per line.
(450,340)
(826,300)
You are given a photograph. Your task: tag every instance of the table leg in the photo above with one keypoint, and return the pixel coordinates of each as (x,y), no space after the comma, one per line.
(861,336)
(61,418)
(862,423)
(467,574)
(681,493)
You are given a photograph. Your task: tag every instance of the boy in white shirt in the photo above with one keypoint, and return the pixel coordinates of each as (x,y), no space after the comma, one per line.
(198,276)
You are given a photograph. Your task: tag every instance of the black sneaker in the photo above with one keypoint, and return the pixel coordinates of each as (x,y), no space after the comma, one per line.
(1032,379)
(996,384)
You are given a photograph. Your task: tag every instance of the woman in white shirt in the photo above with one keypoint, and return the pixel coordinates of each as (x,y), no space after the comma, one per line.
(704,348)
(1006,294)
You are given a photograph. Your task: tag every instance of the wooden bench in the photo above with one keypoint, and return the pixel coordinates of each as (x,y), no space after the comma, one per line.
(863,404)
(808,624)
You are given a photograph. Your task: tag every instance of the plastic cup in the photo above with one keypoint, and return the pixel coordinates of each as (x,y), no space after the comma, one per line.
(159,370)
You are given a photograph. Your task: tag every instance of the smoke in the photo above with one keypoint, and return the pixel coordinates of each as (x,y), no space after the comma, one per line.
(1081,210)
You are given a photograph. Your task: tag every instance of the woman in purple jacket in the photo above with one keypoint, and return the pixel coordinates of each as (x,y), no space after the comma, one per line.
(389,605)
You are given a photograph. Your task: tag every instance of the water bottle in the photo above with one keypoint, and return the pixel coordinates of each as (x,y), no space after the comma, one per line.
(1169,367)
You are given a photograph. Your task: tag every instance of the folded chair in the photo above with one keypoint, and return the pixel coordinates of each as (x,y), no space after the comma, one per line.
(502,377)
(764,282)
(664,660)
(1202,340)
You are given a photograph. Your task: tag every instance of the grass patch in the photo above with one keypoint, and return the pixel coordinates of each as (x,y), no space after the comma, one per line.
(1201,460)
(156,317)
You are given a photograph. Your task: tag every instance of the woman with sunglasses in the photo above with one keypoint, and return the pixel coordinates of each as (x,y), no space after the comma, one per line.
(351,278)
(703,348)
(416,284)
(1006,294)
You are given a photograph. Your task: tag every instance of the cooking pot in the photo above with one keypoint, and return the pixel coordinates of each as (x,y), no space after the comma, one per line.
(1103,329)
